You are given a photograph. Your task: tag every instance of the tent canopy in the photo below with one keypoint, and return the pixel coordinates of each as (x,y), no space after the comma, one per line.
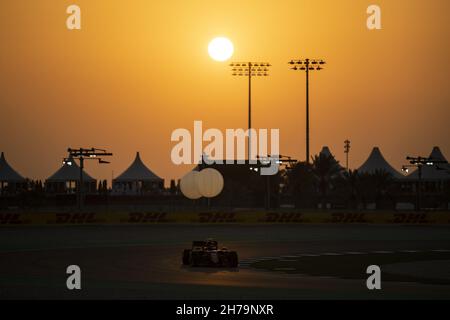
(327,153)
(137,171)
(69,173)
(436,154)
(7,173)
(375,162)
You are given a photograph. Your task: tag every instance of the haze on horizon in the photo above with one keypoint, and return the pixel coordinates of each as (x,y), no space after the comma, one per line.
(140,69)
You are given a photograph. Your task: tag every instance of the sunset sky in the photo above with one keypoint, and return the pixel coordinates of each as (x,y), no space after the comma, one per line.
(139,69)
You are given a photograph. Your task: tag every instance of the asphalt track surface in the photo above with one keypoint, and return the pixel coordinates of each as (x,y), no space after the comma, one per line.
(144,262)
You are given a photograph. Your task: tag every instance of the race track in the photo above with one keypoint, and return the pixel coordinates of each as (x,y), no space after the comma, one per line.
(144,262)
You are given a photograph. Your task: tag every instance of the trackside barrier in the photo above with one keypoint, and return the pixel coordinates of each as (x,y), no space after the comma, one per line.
(138,218)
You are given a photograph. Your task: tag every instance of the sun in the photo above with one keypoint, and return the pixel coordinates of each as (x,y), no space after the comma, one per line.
(220,49)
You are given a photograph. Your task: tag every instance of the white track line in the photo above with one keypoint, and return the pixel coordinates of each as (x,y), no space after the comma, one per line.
(286,260)
(294,258)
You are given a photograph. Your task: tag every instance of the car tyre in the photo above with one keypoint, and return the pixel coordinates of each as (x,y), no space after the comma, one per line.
(186,257)
(234,259)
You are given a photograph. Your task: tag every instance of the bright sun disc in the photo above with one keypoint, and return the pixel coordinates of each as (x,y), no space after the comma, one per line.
(220,49)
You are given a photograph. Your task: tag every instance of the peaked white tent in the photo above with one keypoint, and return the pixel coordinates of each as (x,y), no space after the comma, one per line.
(66,179)
(137,179)
(326,151)
(10,179)
(375,162)
(437,172)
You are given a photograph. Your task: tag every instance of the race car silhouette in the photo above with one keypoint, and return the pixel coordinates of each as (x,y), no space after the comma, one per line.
(207,254)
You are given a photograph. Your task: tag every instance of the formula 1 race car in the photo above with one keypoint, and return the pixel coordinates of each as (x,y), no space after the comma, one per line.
(207,254)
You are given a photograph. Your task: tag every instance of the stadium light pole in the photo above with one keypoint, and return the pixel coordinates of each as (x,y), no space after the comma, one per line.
(307,65)
(285,161)
(346,151)
(250,70)
(419,162)
(84,154)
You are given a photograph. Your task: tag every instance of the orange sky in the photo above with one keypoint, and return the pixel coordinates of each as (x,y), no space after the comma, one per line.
(139,69)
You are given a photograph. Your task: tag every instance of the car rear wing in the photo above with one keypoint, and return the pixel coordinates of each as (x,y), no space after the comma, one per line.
(202,244)
(198,243)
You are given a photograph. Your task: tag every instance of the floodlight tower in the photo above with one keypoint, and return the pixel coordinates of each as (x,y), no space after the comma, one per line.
(307,65)
(346,151)
(249,70)
(281,161)
(419,162)
(85,154)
